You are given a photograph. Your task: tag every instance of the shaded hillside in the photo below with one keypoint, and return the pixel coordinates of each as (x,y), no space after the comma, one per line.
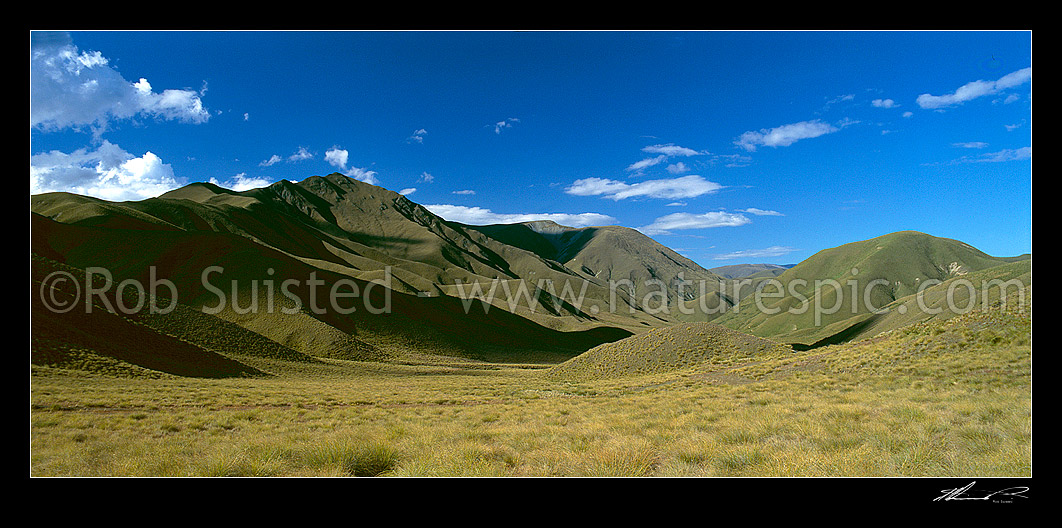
(838,288)
(84,337)
(434,325)
(352,228)
(667,349)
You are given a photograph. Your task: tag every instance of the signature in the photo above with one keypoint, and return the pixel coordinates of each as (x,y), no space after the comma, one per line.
(995,496)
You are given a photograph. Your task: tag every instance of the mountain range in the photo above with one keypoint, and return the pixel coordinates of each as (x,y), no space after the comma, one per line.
(526,292)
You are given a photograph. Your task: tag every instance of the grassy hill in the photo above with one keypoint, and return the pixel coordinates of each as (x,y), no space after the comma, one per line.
(837,290)
(642,270)
(534,290)
(539,291)
(660,350)
(355,229)
(99,340)
(434,325)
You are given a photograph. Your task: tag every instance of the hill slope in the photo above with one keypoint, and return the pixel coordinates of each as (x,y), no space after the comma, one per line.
(360,230)
(836,289)
(667,349)
(337,229)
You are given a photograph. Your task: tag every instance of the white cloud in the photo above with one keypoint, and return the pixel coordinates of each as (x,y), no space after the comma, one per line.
(785,135)
(773,251)
(301,154)
(465,191)
(241,182)
(684,187)
(671,149)
(72,88)
(907,114)
(736,160)
(426,177)
(677,204)
(417,136)
(883,103)
(1017,154)
(838,99)
(481,216)
(337,157)
(273,160)
(677,168)
(665,224)
(407,191)
(971,144)
(645,163)
(975,89)
(363,175)
(761,212)
(503,124)
(109,173)
(664,152)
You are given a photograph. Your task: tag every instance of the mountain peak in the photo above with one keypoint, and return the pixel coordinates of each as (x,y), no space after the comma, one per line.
(547,227)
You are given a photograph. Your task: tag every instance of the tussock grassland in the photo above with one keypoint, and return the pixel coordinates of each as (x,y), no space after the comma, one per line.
(938,399)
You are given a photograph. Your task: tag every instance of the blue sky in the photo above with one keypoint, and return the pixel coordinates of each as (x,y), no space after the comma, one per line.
(729,147)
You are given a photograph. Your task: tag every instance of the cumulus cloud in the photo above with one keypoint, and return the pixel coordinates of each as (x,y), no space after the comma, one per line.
(337,157)
(481,216)
(70,88)
(975,89)
(785,135)
(883,103)
(677,168)
(109,172)
(426,177)
(676,221)
(241,182)
(363,175)
(669,188)
(773,251)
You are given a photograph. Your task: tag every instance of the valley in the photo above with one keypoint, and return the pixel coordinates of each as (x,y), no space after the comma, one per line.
(334,328)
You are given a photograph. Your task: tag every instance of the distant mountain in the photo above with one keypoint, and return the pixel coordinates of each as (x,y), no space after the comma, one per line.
(740,271)
(835,292)
(610,255)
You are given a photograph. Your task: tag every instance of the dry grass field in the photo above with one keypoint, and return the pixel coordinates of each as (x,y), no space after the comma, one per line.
(940,399)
